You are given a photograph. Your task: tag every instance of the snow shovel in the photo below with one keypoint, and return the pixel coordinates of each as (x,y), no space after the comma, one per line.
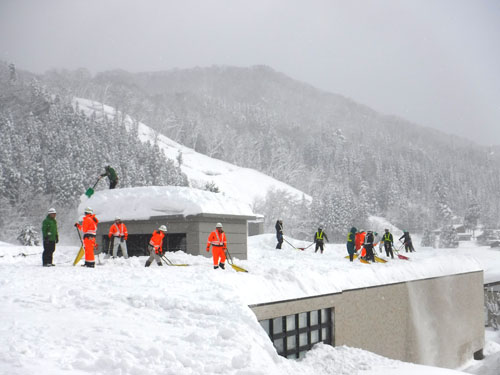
(230,261)
(399,255)
(168,262)
(90,191)
(292,245)
(79,256)
(303,248)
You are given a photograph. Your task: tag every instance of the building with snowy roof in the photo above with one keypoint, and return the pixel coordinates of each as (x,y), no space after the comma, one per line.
(189,214)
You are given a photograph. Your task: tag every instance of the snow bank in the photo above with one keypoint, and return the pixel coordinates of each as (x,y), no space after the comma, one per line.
(244,184)
(142,203)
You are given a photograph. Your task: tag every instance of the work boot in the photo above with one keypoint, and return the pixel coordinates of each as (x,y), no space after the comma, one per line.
(46,265)
(221,265)
(215,267)
(160,264)
(90,264)
(148,263)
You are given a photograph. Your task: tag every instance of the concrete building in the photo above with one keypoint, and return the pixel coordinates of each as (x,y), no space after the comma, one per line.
(189,214)
(436,321)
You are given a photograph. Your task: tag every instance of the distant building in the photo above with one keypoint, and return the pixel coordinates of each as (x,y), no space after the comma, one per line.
(189,214)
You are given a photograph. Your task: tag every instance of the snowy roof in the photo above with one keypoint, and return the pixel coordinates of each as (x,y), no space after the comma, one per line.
(142,203)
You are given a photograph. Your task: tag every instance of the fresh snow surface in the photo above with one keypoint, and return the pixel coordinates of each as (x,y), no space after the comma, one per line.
(244,184)
(123,318)
(141,203)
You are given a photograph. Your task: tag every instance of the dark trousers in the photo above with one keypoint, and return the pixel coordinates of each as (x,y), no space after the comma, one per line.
(350,250)
(409,246)
(388,249)
(369,253)
(319,245)
(279,237)
(112,184)
(48,249)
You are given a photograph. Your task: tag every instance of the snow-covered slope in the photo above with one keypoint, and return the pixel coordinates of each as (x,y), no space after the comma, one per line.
(244,184)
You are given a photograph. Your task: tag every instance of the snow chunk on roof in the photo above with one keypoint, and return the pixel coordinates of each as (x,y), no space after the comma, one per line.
(142,203)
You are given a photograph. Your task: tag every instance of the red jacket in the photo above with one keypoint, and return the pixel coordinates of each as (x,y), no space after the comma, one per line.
(157,241)
(217,239)
(118,230)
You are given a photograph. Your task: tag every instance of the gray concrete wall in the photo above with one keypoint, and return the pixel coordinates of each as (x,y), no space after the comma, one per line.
(197,229)
(437,322)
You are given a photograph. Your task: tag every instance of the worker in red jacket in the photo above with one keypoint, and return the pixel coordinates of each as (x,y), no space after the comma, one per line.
(219,245)
(89,230)
(118,234)
(156,246)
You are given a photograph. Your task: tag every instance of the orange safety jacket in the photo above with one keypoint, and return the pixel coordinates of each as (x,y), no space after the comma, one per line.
(157,240)
(118,230)
(217,239)
(89,225)
(359,239)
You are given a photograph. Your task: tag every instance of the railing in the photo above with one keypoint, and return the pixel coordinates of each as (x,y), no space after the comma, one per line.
(492,305)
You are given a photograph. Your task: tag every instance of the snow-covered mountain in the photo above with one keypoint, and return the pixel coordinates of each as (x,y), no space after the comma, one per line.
(244,184)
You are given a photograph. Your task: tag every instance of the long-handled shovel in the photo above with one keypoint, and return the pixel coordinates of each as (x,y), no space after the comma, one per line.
(168,262)
(230,261)
(303,248)
(398,254)
(81,251)
(90,191)
(296,248)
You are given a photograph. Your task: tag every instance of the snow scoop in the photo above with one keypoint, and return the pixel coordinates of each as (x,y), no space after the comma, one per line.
(168,262)
(399,255)
(354,256)
(90,191)
(380,260)
(292,245)
(230,261)
(79,256)
(303,248)
(363,261)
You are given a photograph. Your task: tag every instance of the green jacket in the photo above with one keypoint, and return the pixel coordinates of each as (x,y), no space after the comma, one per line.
(111,173)
(49,229)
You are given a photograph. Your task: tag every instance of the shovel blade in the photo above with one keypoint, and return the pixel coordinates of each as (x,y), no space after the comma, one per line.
(89,192)
(238,269)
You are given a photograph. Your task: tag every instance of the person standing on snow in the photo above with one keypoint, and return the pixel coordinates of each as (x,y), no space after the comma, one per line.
(89,230)
(359,240)
(118,235)
(368,245)
(279,233)
(50,237)
(318,239)
(155,246)
(388,241)
(407,241)
(112,176)
(351,248)
(218,241)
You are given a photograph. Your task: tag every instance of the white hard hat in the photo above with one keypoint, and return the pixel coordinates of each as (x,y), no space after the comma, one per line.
(117,218)
(51,210)
(163,228)
(88,210)
(218,225)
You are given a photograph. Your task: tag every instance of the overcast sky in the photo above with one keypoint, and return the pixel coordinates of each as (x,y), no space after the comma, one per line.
(434,62)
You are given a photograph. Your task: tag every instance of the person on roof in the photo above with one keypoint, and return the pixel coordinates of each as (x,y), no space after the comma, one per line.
(388,241)
(279,233)
(407,241)
(155,246)
(319,238)
(118,237)
(351,236)
(112,176)
(368,246)
(359,240)
(50,237)
(217,239)
(89,230)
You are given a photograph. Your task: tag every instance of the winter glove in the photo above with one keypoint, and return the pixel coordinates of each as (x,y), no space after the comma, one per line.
(76,225)
(208,249)
(57,238)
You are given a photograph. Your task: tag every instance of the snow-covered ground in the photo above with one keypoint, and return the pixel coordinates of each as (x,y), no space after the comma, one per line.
(123,318)
(244,184)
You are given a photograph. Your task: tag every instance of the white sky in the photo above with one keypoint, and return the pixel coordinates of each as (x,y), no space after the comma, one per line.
(432,62)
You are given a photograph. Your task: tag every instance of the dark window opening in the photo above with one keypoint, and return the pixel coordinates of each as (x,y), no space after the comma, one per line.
(137,244)
(294,335)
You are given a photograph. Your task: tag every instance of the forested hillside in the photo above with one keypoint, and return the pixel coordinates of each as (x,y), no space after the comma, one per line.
(351,159)
(50,154)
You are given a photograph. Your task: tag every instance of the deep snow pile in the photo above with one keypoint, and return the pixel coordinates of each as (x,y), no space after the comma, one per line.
(245,184)
(123,318)
(141,203)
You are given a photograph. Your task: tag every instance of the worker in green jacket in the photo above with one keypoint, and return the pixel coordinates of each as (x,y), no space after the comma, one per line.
(112,176)
(50,237)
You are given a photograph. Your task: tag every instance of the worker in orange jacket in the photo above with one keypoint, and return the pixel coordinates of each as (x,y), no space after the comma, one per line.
(359,239)
(219,245)
(156,246)
(118,234)
(89,230)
